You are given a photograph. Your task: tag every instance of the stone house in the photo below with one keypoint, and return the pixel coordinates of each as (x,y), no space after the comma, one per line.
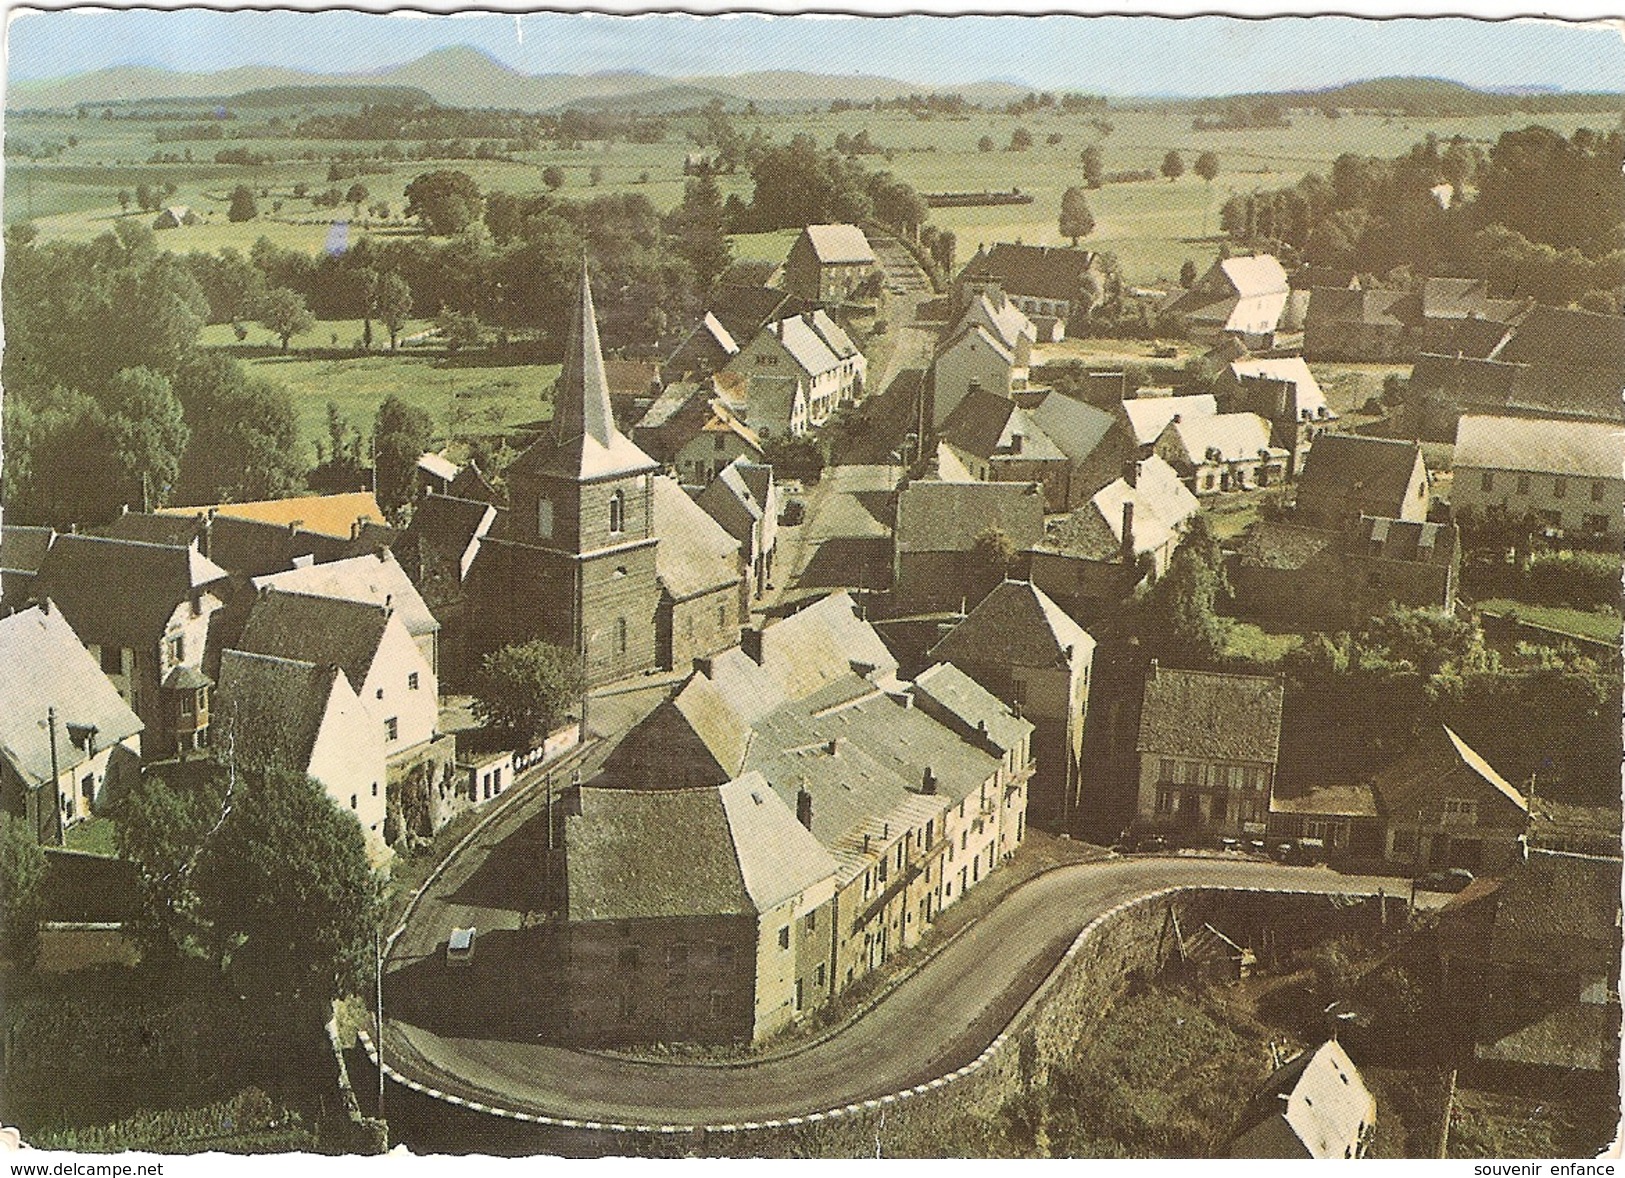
(143,611)
(1241,298)
(1226,452)
(1315,1105)
(1443,805)
(1530,967)
(1349,476)
(701,574)
(797,372)
(722,934)
(66,735)
(744,499)
(1362,326)
(1569,474)
(695,434)
(437,551)
(987,347)
(1285,393)
(1049,284)
(305,717)
(1207,749)
(828,263)
(377,579)
(935,566)
(1021,647)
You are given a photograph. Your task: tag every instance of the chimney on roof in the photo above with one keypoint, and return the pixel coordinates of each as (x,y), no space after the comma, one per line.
(355,528)
(1151,670)
(834,746)
(804,807)
(928,783)
(1174,420)
(750,641)
(1131,472)
(389,604)
(45,606)
(1128,531)
(702,666)
(293,527)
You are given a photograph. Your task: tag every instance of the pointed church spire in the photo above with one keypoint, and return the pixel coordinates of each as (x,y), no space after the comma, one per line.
(581,399)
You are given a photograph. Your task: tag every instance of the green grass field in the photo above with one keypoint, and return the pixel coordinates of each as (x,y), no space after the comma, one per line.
(1585,623)
(464,400)
(1152,226)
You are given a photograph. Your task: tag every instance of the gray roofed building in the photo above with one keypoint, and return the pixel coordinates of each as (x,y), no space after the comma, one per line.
(1350,475)
(946,693)
(1224,437)
(1149,416)
(1016,625)
(934,516)
(47,667)
(1314,1106)
(695,554)
(122,592)
(22,550)
(1210,715)
(1584,449)
(271,708)
(321,630)
(1047,272)
(439,546)
(377,579)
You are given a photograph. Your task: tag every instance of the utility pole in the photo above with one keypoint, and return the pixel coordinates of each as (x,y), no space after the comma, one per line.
(378,1001)
(56,778)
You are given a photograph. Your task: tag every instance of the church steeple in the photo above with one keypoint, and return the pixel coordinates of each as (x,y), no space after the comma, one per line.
(581,398)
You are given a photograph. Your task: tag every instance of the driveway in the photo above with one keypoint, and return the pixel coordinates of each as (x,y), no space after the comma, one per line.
(937,1020)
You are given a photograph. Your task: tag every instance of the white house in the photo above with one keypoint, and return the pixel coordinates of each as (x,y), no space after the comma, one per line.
(304,717)
(65,734)
(1241,298)
(1226,452)
(989,347)
(1570,474)
(369,643)
(797,371)
(744,499)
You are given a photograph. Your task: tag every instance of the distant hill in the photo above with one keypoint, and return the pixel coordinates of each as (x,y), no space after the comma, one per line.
(466,77)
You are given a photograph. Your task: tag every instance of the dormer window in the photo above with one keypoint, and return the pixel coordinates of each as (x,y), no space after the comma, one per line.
(617,513)
(544,518)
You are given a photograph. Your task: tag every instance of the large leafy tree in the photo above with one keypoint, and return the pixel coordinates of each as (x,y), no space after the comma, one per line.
(284,885)
(1180,619)
(161,828)
(393,303)
(445,202)
(148,433)
(284,314)
(697,229)
(1076,219)
(22,878)
(245,434)
(526,689)
(401,433)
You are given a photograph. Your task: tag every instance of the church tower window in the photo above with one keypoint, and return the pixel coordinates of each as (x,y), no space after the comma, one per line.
(620,635)
(617,513)
(544,518)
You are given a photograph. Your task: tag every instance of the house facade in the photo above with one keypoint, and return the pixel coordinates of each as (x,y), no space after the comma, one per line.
(1443,805)
(1225,452)
(1207,747)
(797,371)
(1049,284)
(66,734)
(143,611)
(1315,1105)
(1569,474)
(1240,298)
(935,566)
(828,263)
(1349,476)
(744,499)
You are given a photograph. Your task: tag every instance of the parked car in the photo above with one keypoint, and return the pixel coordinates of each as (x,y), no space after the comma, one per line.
(1450,879)
(460,948)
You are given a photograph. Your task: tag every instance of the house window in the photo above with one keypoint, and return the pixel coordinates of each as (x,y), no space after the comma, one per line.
(620,635)
(375,789)
(818,975)
(1596,523)
(798,993)
(392,729)
(811,922)
(1486,481)
(1207,482)
(1165,769)
(353,802)
(1560,487)
(177,648)
(784,937)
(722,616)
(112,660)
(1523,484)
(1460,810)
(1165,801)
(713,1004)
(1596,491)
(412,681)
(544,518)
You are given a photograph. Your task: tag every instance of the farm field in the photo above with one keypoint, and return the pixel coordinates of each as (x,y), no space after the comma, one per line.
(463,399)
(1153,226)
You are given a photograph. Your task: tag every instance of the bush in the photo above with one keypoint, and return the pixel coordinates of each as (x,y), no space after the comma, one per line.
(1580,579)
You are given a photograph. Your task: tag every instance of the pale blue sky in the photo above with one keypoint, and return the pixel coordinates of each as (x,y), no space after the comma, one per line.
(1113,55)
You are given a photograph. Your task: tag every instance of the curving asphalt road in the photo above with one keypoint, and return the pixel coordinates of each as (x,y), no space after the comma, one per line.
(937,1020)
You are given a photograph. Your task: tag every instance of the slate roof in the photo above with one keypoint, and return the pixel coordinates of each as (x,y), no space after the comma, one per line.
(986,425)
(325,515)
(1149,416)
(319,630)
(1339,801)
(1271,545)
(1000,316)
(46,666)
(442,529)
(814,341)
(1313,1106)
(1293,370)
(1441,765)
(470,483)
(151,528)
(1032,271)
(1370,308)
(1411,540)
(1094,531)
(272,708)
(836,244)
(1077,427)
(1453,298)
(583,443)
(1564,338)
(377,580)
(695,554)
(121,592)
(1238,437)
(778,857)
(1354,472)
(1585,449)
(748,272)
(977,710)
(1211,716)
(935,516)
(1017,625)
(1559,912)
(738,497)
(23,548)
